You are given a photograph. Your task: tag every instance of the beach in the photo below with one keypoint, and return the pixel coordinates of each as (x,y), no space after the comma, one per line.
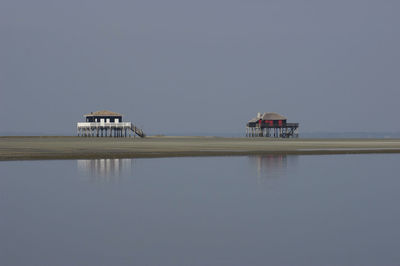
(44,148)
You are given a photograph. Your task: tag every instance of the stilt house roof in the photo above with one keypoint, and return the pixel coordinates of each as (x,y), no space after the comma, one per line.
(267,116)
(253,120)
(272,116)
(103,113)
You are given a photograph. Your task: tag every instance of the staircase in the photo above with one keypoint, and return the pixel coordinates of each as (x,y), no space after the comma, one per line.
(137,131)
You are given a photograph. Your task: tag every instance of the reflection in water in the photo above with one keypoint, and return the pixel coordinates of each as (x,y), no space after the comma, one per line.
(272,166)
(105,169)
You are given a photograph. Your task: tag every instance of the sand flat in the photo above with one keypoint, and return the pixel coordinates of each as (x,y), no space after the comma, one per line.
(40,148)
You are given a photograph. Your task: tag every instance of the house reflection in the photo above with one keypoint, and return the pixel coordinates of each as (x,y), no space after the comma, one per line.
(272,166)
(105,169)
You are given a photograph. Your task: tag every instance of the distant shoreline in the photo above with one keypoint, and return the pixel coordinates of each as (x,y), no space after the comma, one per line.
(61,147)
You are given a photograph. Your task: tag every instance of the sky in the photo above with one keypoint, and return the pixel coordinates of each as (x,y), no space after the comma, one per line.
(200,66)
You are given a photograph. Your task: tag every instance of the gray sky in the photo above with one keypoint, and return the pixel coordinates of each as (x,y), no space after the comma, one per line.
(200,66)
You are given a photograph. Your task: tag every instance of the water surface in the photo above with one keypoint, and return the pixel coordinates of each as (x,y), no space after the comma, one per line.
(271,210)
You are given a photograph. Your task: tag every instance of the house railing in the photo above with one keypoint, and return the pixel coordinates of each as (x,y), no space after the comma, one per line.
(104,124)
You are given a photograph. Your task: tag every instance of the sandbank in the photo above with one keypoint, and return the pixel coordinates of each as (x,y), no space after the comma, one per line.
(43,148)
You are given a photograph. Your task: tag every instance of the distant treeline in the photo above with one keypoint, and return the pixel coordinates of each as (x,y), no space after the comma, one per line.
(370,135)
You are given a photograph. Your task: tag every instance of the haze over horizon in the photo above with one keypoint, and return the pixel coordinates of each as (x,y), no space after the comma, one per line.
(200,66)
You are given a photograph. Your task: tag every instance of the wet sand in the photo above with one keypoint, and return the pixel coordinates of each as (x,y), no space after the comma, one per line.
(42,148)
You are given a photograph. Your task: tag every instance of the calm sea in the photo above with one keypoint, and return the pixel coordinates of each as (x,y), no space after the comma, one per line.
(268,210)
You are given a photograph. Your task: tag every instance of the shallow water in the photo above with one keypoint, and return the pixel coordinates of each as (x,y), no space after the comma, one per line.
(272,210)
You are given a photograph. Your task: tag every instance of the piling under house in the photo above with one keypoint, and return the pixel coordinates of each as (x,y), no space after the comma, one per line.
(271,125)
(107,124)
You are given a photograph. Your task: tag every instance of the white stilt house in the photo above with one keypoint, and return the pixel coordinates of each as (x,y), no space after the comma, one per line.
(106,124)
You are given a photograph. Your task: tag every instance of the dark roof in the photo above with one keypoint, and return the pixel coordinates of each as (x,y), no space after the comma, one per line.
(103,113)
